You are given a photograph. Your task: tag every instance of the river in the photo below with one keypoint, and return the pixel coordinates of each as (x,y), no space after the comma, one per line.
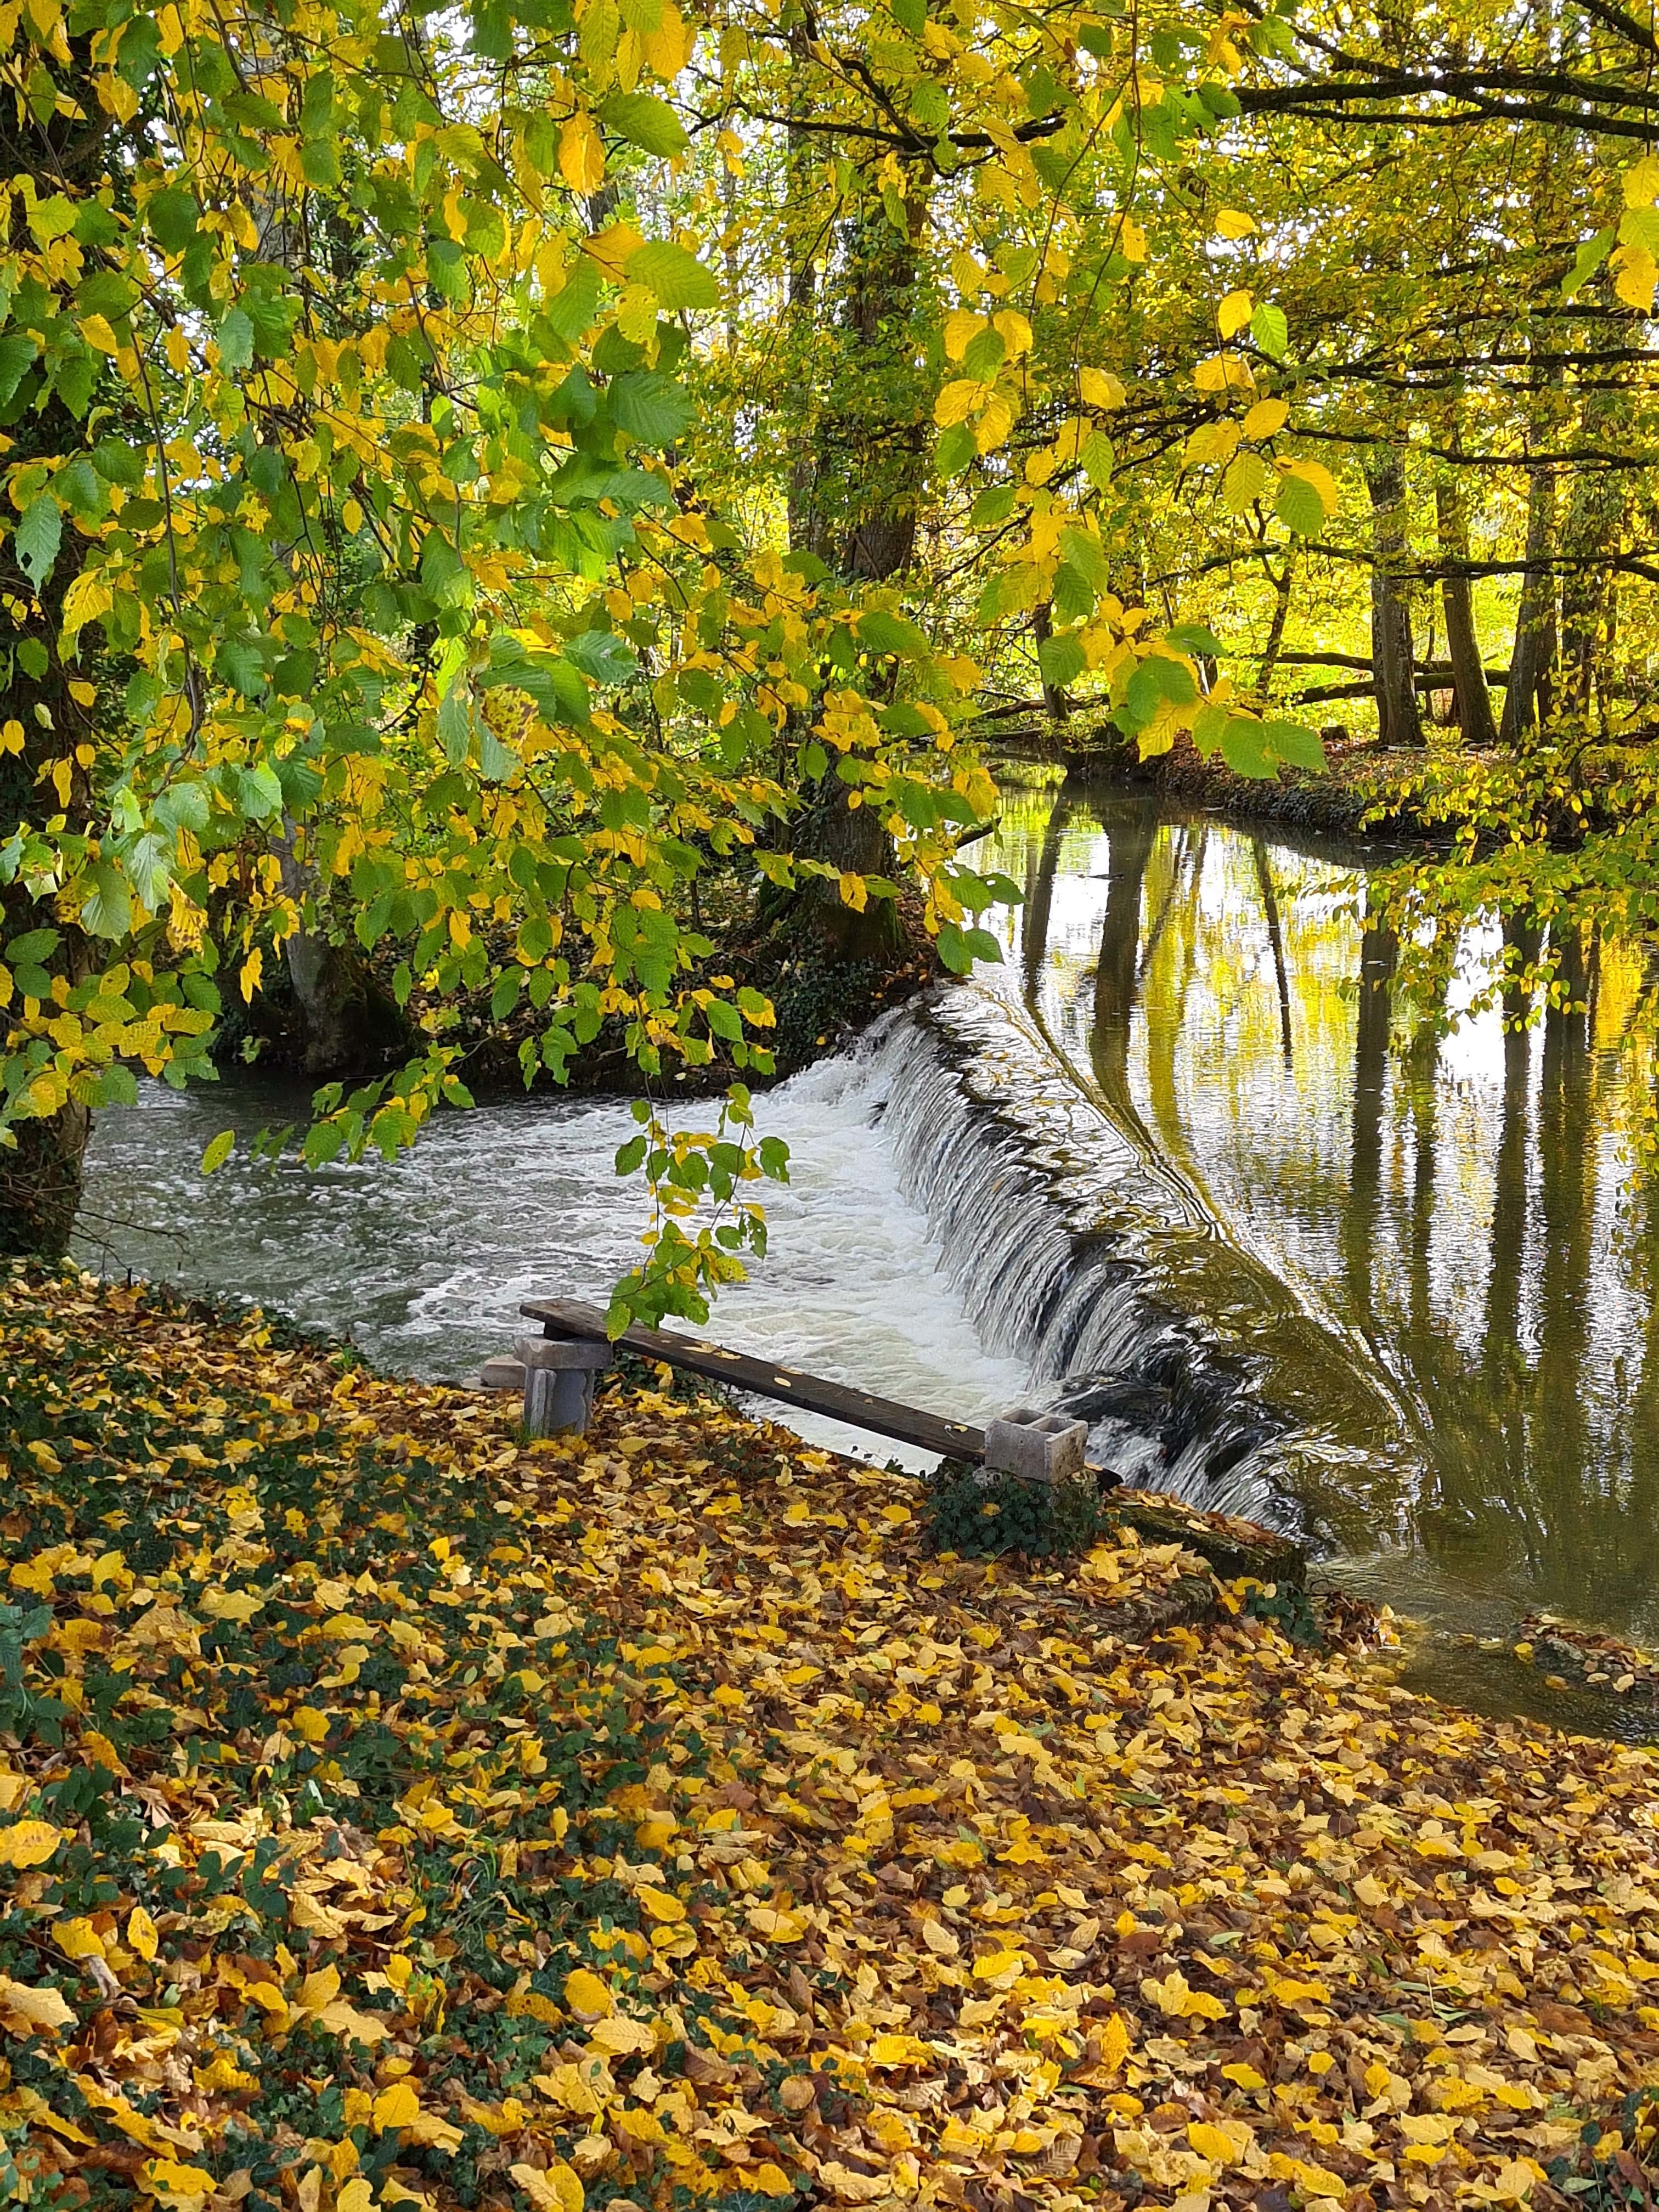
(1185,1161)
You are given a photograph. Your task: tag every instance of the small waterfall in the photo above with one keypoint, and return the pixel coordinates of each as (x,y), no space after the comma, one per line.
(1197,1370)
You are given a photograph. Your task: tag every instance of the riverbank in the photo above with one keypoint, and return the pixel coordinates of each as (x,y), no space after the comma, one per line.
(1364,790)
(395,1812)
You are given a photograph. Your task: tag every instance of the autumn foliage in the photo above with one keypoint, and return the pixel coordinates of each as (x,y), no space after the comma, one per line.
(394,1813)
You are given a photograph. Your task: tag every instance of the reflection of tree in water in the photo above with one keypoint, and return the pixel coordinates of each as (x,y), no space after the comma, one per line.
(1453,1227)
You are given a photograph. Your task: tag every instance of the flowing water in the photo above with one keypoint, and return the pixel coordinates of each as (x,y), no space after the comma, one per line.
(1187,1164)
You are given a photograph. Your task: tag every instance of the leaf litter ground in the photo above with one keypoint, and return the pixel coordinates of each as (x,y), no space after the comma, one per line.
(394,1813)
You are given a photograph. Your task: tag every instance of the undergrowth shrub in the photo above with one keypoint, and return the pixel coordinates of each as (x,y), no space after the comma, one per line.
(981,1516)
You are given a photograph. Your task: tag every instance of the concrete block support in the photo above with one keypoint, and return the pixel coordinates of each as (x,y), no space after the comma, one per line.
(1035,1446)
(559,1374)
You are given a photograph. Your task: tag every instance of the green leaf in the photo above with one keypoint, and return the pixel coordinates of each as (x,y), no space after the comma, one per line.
(954,450)
(1243,750)
(1099,458)
(1585,263)
(1270,329)
(455,723)
(240,663)
(678,278)
(1298,746)
(646,122)
(1299,506)
(993,507)
(106,908)
(1192,637)
(1061,659)
(724,1020)
(630,1155)
(571,309)
(17,356)
(218,1152)
(653,408)
(880,632)
(236,340)
(1156,679)
(38,534)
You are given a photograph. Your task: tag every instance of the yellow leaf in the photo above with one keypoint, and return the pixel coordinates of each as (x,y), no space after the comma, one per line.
(582,154)
(24,2010)
(230,1604)
(1265,418)
(28,1843)
(1132,239)
(308,1723)
(622,2036)
(1233,222)
(1014,330)
(995,424)
(397,2107)
(167,2178)
(587,1996)
(558,2190)
(1513,2183)
(960,329)
(1245,2077)
(1114,2043)
(1224,372)
(77,1939)
(1213,2143)
(1642,182)
(658,1902)
(1635,274)
(769,2179)
(957,401)
(1245,482)
(252,969)
(853,892)
(142,1932)
(1098,387)
(1233,314)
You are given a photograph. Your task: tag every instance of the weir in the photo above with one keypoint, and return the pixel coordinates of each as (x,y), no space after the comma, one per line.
(1198,1371)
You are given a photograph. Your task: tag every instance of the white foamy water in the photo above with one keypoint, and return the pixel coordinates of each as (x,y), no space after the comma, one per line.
(423,1262)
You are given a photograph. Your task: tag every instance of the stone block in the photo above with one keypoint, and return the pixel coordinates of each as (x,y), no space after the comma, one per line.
(1034,1446)
(502,1373)
(569,1353)
(557,1400)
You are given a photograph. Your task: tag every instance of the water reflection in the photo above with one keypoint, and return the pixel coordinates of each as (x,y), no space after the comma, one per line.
(1454,1205)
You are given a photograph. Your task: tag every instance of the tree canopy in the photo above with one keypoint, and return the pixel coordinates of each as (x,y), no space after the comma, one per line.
(472,477)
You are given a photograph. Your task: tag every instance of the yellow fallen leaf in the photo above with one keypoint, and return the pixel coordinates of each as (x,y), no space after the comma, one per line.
(28,1843)
(587,1996)
(557,2189)
(172,2183)
(229,1605)
(397,2107)
(1213,2143)
(141,1933)
(28,2011)
(622,2036)
(660,1905)
(769,2179)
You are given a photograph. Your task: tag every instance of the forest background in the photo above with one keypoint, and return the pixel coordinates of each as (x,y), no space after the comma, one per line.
(502,502)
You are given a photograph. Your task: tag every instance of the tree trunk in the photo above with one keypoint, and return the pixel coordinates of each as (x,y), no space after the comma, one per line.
(1594,526)
(1475,717)
(868,468)
(1527,697)
(348,1024)
(1392,665)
